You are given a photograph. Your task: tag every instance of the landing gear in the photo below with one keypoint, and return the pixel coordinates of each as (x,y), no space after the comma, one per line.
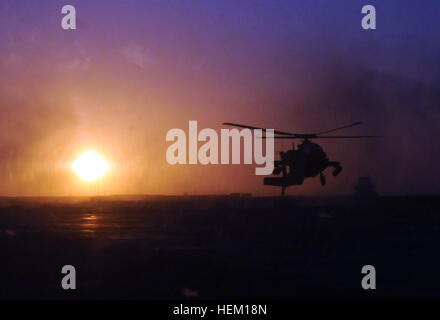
(337,170)
(283,191)
(322,178)
(337,167)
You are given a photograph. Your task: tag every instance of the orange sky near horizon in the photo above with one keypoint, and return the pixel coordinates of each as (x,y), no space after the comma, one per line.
(134,71)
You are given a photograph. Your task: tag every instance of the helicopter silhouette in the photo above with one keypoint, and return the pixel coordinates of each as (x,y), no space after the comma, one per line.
(309,160)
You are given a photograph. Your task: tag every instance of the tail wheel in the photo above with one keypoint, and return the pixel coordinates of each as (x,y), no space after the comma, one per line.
(337,170)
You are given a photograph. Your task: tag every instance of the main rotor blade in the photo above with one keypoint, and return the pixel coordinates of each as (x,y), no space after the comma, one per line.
(339,128)
(327,137)
(264,129)
(346,137)
(288,135)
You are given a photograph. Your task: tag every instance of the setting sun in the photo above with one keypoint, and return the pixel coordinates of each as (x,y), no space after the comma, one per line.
(90,166)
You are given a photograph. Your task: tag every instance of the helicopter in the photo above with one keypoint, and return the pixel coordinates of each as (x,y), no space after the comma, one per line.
(307,161)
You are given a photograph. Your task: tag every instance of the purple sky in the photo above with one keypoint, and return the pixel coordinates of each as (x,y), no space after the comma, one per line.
(135,69)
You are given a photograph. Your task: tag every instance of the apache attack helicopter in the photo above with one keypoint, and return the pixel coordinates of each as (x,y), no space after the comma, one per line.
(307,161)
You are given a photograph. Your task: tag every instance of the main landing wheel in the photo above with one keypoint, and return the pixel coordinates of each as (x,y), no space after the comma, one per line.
(283,191)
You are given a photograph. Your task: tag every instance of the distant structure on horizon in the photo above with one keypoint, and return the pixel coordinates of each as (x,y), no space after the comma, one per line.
(241,195)
(364,188)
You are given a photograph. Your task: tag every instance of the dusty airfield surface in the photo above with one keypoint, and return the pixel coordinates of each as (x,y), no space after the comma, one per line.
(220,247)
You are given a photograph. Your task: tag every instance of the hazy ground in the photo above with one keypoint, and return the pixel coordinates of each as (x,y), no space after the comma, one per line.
(219,247)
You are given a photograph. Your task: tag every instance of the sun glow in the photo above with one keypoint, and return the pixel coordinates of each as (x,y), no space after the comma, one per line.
(90,166)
